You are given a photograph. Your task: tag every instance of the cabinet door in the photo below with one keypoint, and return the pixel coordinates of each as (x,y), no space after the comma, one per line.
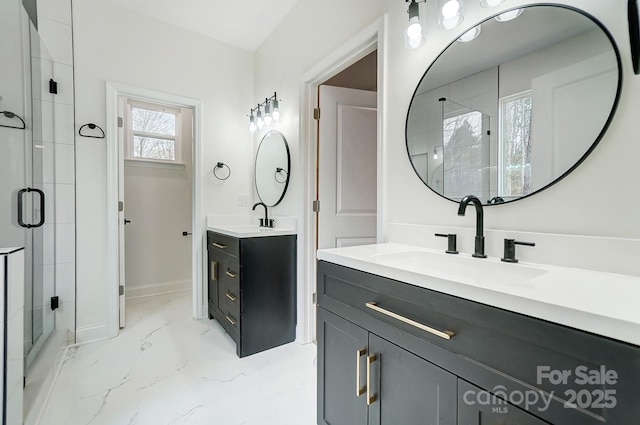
(341,360)
(478,407)
(407,389)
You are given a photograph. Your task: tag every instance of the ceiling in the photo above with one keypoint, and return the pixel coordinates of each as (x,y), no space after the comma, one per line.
(244,24)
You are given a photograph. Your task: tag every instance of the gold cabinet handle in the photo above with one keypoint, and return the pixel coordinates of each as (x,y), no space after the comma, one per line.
(232,320)
(230,274)
(214,270)
(231,296)
(359,390)
(370,398)
(442,334)
(217,245)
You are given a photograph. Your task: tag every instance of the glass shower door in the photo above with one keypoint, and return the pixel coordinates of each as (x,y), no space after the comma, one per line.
(40,170)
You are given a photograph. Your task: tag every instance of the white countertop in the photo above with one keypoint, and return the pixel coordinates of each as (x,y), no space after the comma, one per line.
(606,304)
(249,231)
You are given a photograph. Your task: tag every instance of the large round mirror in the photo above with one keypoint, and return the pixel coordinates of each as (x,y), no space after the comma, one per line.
(513,110)
(272,168)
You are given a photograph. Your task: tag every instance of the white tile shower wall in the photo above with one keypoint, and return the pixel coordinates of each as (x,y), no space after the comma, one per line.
(585,252)
(55,29)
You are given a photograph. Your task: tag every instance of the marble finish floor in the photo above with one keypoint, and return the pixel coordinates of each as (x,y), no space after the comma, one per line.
(167,369)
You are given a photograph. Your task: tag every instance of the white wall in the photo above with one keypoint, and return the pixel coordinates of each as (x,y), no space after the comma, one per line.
(591,201)
(158,202)
(115,44)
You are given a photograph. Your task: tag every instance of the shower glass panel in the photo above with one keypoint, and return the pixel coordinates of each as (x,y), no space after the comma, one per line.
(39,318)
(27,168)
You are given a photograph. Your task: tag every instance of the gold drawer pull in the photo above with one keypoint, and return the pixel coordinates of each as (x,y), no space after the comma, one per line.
(217,245)
(359,390)
(231,296)
(370,398)
(442,334)
(214,271)
(232,320)
(230,274)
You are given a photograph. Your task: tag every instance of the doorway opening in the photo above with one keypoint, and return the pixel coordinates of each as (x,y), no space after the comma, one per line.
(156,141)
(330,79)
(153,160)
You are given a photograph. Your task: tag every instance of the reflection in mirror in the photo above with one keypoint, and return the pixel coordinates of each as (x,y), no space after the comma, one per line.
(272,168)
(515,109)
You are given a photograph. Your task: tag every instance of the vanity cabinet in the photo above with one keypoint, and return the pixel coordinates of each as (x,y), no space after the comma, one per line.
(440,359)
(252,289)
(368,380)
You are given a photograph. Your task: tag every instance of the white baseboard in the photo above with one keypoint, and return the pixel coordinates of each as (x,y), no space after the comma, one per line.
(139,291)
(92,333)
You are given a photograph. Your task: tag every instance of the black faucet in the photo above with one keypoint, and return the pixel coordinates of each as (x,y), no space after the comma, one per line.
(264,222)
(479,243)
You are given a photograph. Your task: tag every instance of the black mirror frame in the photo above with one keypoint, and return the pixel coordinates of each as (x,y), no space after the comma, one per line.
(288,173)
(588,151)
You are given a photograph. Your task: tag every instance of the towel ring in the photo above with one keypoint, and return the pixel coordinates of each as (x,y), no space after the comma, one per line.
(92,126)
(278,171)
(221,165)
(10,114)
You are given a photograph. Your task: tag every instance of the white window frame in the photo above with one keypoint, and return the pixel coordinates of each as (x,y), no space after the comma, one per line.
(130,132)
(501,165)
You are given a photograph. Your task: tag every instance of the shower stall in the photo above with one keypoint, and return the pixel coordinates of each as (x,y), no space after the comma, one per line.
(28,182)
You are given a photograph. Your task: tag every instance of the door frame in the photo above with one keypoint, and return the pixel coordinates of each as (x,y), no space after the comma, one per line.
(113,91)
(366,41)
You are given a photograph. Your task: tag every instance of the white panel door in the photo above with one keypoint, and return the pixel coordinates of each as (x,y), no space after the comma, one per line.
(347,167)
(564,129)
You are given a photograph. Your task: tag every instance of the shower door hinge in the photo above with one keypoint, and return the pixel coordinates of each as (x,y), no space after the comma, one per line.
(316,113)
(55,303)
(316,206)
(53,86)
(121,289)
(120,122)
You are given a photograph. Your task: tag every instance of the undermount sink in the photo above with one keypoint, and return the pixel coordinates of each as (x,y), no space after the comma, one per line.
(461,268)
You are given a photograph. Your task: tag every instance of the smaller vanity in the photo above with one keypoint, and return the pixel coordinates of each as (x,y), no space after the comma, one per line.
(252,284)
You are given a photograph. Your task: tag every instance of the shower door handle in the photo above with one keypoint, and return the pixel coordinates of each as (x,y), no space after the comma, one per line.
(42,207)
(20,207)
(20,196)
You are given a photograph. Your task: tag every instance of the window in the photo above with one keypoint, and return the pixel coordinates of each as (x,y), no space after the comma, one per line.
(514,174)
(153,132)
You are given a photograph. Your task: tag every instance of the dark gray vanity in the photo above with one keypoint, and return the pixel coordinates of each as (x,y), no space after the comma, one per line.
(394,353)
(252,289)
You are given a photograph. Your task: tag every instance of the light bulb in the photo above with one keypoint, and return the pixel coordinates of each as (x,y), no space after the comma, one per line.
(490,3)
(275,112)
(267,113)
(252,124)
(508,16)
(260,122)
(450,9)
(414,33)
(472,34)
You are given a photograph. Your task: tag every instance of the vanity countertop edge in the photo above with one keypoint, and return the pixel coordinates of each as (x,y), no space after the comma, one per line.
(601,303)
(249,231)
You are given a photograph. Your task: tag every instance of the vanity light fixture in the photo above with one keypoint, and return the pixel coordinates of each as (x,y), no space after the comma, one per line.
(414,34)
(258,121)
(510,15)
(491,3)
(472,34)
(450,13)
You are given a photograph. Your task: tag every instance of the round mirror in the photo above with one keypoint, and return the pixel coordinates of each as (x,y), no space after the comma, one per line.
(272,168)
(514,104)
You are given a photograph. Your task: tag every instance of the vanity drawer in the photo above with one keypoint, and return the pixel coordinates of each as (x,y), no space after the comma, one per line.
(230,321)
(487,346)
(222,243)
(229,288)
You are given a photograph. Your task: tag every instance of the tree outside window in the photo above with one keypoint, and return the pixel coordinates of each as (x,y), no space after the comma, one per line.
(515,145)
(153,134)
